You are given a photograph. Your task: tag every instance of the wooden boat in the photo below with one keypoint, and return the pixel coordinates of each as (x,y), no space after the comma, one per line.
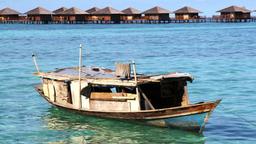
(159,100)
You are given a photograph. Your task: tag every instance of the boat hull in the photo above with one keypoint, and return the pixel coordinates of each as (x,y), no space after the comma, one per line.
(192,122)
(192,117)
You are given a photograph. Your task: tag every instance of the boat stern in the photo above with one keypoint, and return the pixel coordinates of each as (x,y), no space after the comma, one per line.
(192,122)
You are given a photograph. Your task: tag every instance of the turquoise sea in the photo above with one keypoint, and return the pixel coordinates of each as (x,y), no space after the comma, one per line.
(221,56)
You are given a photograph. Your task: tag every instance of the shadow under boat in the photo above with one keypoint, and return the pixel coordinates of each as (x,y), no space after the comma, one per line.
(97,130)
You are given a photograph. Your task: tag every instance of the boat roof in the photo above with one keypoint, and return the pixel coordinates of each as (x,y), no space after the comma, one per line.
(100,75)
(95,72)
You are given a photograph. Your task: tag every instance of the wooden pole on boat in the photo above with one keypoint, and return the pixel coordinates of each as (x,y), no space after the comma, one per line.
(136,81)
(36,65)
(135,76)
(80,70)
(134,71)
(137,87)
(146,99)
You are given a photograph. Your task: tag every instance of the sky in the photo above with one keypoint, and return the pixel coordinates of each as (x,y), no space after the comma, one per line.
(208,7)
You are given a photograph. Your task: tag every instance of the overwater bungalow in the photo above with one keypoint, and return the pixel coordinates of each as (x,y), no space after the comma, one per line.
(234,14)
(57,14)
(74,15)
(187,13)
(92,17)
(108,15)
(8,14)
(93,9)
(59,10)
(157,14)
(39,15)
(131,14)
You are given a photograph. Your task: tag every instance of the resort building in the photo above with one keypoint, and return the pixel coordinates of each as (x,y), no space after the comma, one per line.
(40,15)
(90,11)
(108,15)
(187,13)
(74,15)
(57,14)
(131,14)
(157,14)
(8,14)
(93,9)
(234,13)
(59,10)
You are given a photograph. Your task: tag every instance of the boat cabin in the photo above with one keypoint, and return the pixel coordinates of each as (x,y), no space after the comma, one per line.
(122,90)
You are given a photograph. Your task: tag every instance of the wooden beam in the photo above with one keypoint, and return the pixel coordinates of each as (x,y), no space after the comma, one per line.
(147,100)
(100,81)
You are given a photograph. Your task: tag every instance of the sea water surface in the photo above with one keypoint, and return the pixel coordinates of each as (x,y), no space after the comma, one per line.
(222,58)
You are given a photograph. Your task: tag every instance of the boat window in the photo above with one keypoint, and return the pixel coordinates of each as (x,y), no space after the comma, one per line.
(111,93)
(101,89)
(86,91)
(113,89)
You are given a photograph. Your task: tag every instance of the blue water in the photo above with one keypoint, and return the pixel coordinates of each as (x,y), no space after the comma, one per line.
(220,56)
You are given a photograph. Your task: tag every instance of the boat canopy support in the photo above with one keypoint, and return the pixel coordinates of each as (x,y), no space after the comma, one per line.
(146,99)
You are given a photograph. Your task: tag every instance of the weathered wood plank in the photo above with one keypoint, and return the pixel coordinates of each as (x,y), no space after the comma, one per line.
(98,105)
(101,81)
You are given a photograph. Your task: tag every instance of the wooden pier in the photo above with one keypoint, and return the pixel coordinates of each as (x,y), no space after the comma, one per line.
(205,20)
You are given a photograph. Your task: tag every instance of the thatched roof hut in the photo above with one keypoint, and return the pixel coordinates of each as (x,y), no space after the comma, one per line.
(93,9)
(235,12)
(131,14)
(59,10)
(187,13)
(57,14)
(9,14)
(131,11)
(232,9)
(186,10)
(108,14)
(157,13)
(39,11)
(107,11)
(74,11)
(39,14)
(9,11)
(74,14)
(157,10)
